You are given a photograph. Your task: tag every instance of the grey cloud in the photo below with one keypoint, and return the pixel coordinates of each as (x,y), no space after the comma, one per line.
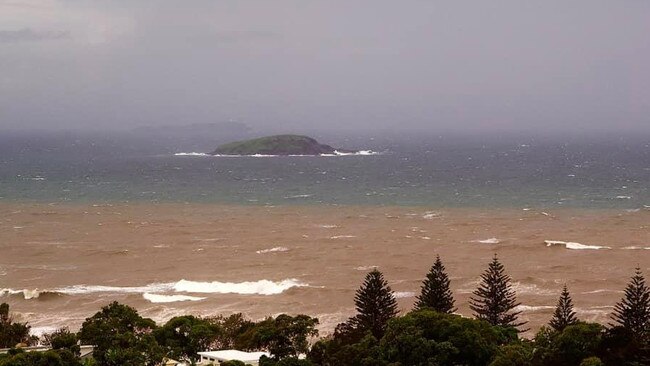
(422,65)
(30,35)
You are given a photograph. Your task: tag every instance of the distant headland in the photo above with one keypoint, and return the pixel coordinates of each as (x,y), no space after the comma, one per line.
(279,145)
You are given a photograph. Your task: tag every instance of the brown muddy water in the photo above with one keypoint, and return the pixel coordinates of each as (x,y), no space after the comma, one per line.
(60,263)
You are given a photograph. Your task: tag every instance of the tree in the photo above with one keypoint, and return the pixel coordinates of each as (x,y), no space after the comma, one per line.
(375,304)
(62,339)
(427,337)
(121,337)
(184,336)
(633,311)
(435,292)
(516,354)
(564,314)
(12,333)
(592,361)
(569,347)
(235,332)
(494,300)
(286,336)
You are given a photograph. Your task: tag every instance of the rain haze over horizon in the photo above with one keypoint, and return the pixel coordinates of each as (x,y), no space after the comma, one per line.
(527,67)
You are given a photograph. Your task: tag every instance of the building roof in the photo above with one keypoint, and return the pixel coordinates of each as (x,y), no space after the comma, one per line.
(233,354)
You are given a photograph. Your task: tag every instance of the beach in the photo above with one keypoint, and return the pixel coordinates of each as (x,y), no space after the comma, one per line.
(61,262)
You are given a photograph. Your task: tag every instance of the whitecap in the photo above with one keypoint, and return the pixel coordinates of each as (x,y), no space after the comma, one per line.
(599,291)
(623,197)
(366,268)
(28,294)
(430,215)
(342,236)
(191,154)
(90,289)
(404,294)
(525,288)
(298,196)
(326,226)
(157,298)
(487,241)
(356,153)
(271,250)
(530,308)
(262,287)
(636,248)
(573,245)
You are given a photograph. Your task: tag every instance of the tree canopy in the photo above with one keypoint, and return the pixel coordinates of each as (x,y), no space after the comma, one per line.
(494,299)
(435,293)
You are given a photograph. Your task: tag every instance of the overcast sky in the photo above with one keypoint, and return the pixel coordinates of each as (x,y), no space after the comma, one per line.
(467,65)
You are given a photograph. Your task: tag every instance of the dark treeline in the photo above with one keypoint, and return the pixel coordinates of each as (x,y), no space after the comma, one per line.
(430,335)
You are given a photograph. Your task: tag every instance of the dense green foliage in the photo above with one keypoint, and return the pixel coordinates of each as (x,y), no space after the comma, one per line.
(19,357)
(435,293)
(122,337)
(633,311)
(286,336)
(184,336)
(375,304)
(564,314)
(12,333)
(494,299)
(275,145)
(422,337)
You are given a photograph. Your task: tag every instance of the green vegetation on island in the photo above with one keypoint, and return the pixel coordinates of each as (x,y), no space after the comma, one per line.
(429,335)
(276,145)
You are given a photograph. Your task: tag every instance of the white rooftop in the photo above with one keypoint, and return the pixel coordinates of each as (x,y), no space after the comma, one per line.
(233,354)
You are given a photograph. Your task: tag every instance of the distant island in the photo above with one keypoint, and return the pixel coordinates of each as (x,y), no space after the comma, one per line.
(279,145)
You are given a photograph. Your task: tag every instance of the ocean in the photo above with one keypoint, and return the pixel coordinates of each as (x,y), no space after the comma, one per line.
(88,219)
(444,172)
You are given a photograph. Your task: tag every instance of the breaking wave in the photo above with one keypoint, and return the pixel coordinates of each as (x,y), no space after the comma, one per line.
(28,294)
(271,250)
(343,236)
(487,241)
(573,245)
(191,154)
(262,287)
(404,294)
(530,308)
(157,299)
(366,268)
(335,154)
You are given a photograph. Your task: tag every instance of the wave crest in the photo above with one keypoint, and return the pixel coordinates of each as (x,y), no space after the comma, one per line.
(262,287)
(158,299)
(573,245)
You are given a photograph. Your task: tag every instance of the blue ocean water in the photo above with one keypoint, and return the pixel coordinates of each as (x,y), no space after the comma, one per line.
(436,171)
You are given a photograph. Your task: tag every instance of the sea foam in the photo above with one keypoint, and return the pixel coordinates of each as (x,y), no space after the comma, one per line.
(157,298)
(191,154)
(573,245)
(271,250)
(342,236)
(530,308)
(262,287)
(27,294)
(404,294)
(487,241)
